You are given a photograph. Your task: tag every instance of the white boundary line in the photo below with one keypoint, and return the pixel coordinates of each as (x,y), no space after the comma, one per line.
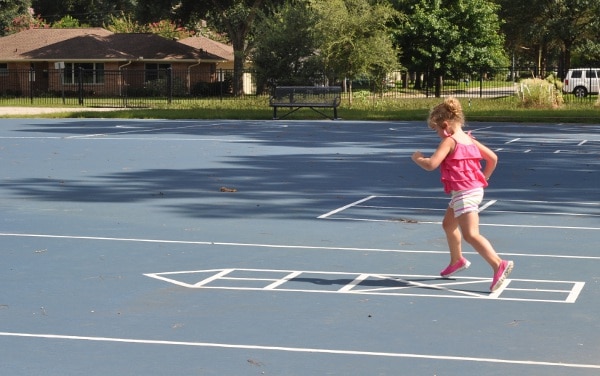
(301,350)
(485,206)
(481,224)
(345,207)
(283,246)
(594,203)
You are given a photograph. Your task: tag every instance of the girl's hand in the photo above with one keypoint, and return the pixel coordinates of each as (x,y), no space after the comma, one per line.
(417,155)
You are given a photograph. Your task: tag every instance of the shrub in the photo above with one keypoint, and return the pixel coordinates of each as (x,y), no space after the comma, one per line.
(538,93)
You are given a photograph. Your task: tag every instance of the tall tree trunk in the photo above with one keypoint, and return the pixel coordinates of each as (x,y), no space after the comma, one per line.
(239,56)
(439,82)
(238,27)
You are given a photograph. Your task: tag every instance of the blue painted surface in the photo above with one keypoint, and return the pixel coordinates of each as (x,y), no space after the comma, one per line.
(91,207)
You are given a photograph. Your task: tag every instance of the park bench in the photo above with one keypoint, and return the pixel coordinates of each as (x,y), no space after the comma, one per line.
(313,97)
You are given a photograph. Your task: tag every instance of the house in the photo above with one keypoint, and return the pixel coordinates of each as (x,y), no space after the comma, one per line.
(226,52)
(106,63)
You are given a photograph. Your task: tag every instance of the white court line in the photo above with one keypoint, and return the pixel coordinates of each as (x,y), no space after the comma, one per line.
(487,205)
(575,291)
(214,277)
(481,224)
(355,282)
(345,207)
(301,350)
(481,208)
(111,138)
(438,286)
(137,130)
(281,246)
(572,203)
(594,203)
(283,280)
(545,213)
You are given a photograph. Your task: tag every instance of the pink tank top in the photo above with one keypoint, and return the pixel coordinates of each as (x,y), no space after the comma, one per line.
(461,169)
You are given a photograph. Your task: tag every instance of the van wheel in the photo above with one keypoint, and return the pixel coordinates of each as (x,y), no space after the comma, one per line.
(580,92)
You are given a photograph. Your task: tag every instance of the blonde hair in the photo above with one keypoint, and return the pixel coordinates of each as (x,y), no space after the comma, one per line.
(449,110)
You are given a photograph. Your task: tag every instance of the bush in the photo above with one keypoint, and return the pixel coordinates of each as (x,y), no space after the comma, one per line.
(212,89)
(538,93)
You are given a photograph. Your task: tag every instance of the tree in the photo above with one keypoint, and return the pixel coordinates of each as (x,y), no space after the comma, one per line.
(10,10)
(94,13)
(354,38)
(124,24)
(66,22)
(156,10)
(519,20)
(552,30)
(236,18)
(442,36)
(588,52)
(571,22)
(232,17)
(285,45)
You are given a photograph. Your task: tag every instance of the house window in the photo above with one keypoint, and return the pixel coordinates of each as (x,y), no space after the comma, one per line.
(3,69)
(92,73)
(156,71)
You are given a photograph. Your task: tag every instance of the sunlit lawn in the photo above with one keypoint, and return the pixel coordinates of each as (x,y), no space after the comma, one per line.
(362,107)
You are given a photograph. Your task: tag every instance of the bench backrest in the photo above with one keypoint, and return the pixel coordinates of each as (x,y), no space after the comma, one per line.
(307,95)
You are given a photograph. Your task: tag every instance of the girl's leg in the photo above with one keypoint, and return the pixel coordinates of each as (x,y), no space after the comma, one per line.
(453,237)
(469,226)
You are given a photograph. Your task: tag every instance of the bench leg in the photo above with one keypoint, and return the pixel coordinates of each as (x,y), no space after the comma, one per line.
(335,113)
(274,113)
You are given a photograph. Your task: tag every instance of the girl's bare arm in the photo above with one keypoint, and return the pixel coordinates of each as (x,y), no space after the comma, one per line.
(490,158)
(433,162)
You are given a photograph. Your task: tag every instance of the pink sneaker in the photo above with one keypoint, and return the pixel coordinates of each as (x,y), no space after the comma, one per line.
(461,264)
(503,271)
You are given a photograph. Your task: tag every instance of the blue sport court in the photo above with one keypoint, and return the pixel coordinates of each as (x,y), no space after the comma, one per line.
(154,247)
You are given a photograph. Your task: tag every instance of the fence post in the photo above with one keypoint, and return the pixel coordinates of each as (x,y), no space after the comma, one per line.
(169,85)
(123,85)
(480,82)
(62,83)
(221,78)
(31,81)
(80,85)
(427,83)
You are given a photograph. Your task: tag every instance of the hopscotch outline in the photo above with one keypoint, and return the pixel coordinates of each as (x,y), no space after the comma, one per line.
(356,284)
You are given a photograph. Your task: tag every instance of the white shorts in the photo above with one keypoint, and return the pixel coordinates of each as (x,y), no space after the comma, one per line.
(466,201)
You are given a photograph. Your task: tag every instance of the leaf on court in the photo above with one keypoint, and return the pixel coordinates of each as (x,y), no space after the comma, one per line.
(227,189)
(255,363)
(406,220)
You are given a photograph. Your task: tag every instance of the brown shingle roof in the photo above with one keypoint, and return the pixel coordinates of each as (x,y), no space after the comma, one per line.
(95,44)
(222,50)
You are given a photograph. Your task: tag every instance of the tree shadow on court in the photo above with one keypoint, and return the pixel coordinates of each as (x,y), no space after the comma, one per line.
(266,185)
(298,183)
(284,133)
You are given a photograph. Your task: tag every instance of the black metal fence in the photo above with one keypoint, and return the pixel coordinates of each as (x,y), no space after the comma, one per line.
(147,88)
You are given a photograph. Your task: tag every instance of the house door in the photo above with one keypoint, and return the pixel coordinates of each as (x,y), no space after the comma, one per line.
(39,78)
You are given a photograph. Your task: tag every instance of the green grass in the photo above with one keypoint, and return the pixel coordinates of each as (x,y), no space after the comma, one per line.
(362,108)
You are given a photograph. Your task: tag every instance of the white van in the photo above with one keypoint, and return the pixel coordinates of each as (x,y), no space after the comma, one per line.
(582,81)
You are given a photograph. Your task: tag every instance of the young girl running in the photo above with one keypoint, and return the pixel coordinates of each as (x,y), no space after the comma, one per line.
(458,155)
